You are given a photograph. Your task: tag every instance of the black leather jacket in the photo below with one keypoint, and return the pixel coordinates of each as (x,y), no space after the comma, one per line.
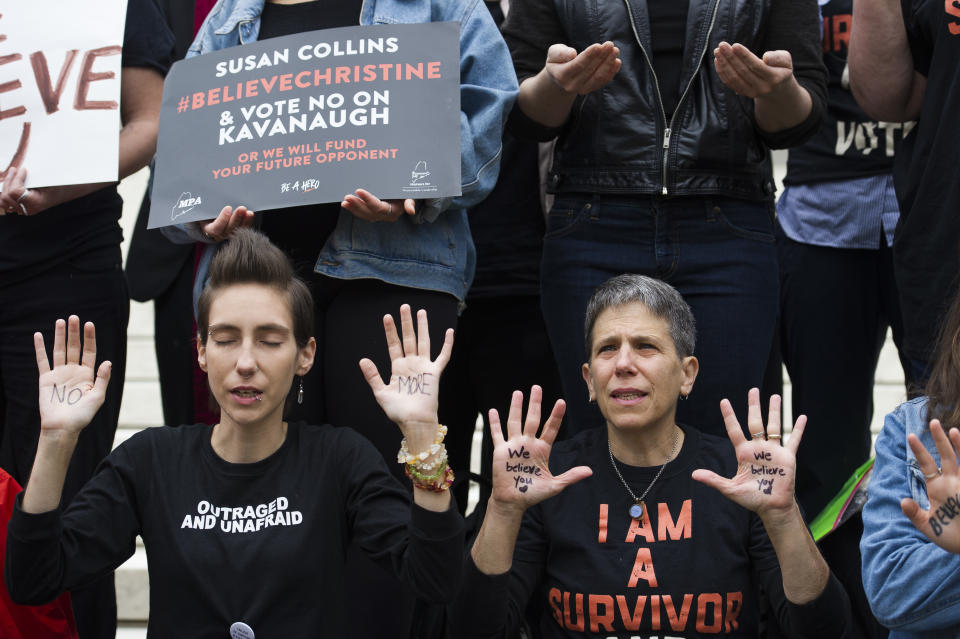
(619,140)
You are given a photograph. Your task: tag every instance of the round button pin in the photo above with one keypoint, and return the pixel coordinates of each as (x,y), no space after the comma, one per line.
(240,630)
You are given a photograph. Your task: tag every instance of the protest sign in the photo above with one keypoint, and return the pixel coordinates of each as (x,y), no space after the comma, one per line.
(60,89)
(308,118)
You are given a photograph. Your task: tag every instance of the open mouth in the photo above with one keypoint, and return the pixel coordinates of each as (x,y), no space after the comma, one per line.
(628,395)
(247,395)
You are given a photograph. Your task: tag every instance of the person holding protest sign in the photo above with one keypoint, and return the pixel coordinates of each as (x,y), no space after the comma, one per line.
(61,249)
(911,573)
(363,255)
(635,528)
(374,253)
(245,524)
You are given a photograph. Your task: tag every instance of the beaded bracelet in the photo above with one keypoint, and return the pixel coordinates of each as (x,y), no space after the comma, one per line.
(437,483)
(404,456)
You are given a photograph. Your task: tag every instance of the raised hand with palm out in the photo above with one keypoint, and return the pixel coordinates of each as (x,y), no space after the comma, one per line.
(764,482)
(72,391)
(940,522)
(521,472)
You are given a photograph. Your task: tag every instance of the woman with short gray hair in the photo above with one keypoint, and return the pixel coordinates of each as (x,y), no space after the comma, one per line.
(623,529)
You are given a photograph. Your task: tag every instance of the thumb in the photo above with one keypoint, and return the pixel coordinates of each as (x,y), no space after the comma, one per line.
(573,475)
(371,374)
(103,377)
(780,58)
(711,479)
(560,482)
(916,515)
(560,53)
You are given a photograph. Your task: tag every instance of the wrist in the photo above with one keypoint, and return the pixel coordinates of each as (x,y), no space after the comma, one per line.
(506,512)
(777,519)
(420,434)
(57,438)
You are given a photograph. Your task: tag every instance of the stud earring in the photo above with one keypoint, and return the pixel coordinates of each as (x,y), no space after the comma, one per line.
(300,392)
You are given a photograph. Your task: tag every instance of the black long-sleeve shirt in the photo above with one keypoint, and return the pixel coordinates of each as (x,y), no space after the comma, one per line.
(261,543)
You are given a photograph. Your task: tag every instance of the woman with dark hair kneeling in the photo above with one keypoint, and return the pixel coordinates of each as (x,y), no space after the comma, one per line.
(635,542)
(913,585)
(246,523)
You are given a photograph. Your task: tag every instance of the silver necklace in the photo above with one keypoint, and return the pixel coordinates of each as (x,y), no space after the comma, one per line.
(638,506)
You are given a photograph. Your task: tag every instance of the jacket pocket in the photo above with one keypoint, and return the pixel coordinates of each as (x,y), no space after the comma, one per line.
(918,485)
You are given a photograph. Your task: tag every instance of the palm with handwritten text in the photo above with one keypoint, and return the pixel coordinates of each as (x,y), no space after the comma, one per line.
(941,522)
(764,482)
(410,399)
(521,473)
(72,391)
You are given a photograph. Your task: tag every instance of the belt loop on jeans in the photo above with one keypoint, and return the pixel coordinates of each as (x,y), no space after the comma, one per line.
(712,206)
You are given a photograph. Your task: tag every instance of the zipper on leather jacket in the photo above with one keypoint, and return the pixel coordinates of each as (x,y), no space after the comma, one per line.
(668,127)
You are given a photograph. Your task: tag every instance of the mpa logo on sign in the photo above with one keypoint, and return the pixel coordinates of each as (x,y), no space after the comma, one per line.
(419,174)
(185,203)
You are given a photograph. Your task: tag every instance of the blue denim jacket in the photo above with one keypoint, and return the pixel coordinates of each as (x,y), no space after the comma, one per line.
(913,585)
(427,250)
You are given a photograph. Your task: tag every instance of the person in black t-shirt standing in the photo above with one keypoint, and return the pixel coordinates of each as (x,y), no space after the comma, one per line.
(903,66)
(60,248)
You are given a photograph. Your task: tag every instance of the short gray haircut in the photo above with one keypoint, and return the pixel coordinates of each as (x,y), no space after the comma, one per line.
(658,297)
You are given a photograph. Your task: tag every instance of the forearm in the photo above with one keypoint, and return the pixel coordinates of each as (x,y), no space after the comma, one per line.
(141,93)
(45,486)
(783,109)
(805,573)
(542,100)
(492,551)
(794,27)
(430,500)
(138,143)
(882,77)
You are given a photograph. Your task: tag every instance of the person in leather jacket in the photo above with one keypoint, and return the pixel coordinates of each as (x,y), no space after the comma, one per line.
(664,117)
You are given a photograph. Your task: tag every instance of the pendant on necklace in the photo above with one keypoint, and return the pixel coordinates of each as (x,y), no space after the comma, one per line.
(636,510)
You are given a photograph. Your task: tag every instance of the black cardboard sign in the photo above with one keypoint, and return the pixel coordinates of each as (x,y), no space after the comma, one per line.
(308,118)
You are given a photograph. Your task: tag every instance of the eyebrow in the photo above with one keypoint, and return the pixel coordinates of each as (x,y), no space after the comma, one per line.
(262,328)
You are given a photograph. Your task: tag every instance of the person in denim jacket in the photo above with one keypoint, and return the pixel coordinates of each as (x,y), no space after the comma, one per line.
(434,249)
(912,583)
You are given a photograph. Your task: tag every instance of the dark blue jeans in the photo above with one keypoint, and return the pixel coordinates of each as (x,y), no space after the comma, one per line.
(717,251)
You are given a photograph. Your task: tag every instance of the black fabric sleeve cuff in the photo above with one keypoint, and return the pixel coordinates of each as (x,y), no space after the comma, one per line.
(433,526)
(797,134)
(826,616)
(480,607)
(32,528)
(526,128)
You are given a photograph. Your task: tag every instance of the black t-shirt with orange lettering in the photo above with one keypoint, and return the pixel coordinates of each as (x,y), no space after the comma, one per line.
(83,232)
(926,247)
(693,566)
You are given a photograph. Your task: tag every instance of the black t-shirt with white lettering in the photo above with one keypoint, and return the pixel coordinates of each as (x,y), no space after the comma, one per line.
(85,231)
(848,144)
(691,567)
(261,543)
